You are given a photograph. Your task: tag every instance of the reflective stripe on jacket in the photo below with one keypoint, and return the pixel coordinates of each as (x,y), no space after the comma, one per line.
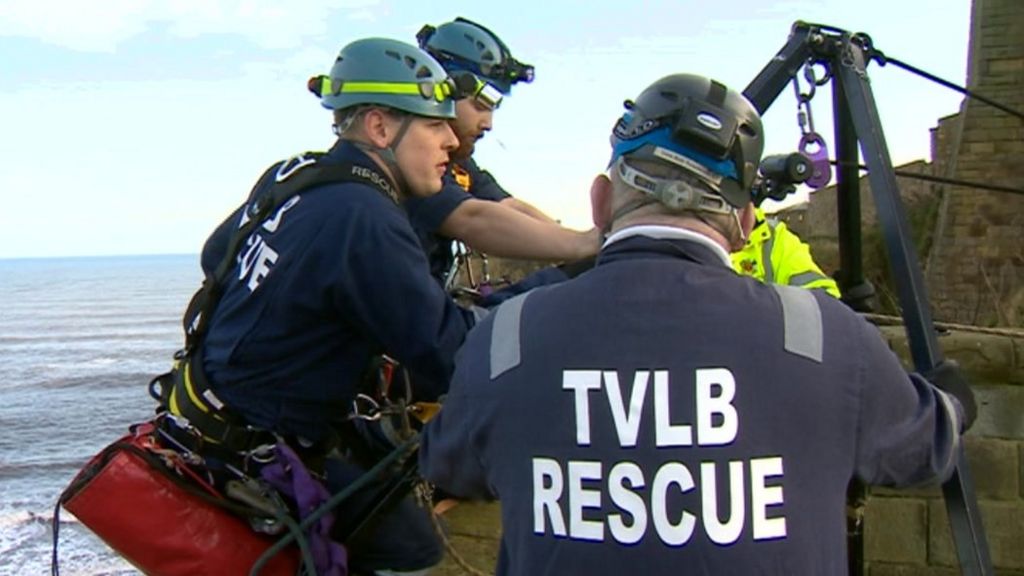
(775,255)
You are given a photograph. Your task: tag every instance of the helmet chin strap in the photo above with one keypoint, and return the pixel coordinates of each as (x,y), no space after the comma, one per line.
(739,230)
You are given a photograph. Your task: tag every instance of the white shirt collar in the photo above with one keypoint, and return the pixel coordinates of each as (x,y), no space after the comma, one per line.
(672,233)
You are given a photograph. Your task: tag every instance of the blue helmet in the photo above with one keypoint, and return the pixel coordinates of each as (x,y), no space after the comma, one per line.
(697,124)
(389,73)
(465,46)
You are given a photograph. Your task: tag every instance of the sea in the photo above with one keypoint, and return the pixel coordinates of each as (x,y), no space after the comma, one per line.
(80,339)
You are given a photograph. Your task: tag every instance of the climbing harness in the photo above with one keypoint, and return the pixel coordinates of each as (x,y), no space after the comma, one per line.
(197,476)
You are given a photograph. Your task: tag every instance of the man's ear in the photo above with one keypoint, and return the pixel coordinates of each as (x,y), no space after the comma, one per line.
(601,202)
(748,218)
(377,128)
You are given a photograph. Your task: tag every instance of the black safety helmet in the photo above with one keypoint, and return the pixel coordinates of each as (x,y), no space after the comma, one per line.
(463,45)
(698,124)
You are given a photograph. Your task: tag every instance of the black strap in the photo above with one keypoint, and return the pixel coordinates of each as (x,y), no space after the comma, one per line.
(276,186)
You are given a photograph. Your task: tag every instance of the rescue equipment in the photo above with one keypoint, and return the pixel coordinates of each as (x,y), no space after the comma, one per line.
(145,503)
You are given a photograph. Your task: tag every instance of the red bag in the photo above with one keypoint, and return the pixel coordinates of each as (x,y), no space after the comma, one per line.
(129,501)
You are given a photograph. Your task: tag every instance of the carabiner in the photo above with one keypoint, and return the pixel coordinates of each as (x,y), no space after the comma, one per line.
(373,409)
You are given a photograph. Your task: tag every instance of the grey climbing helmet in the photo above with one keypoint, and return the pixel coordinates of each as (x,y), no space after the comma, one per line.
(389,73)
(465,46)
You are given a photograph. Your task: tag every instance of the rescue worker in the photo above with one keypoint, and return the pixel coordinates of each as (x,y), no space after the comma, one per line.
(472,207)
(773,253)
(337,277)
(660,412)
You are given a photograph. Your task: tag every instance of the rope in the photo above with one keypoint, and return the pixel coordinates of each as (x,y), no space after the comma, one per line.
(883,60)
(435,519)
(396,454)
(886,320)
(939,179)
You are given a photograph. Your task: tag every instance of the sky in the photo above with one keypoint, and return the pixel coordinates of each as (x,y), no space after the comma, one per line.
(135,126)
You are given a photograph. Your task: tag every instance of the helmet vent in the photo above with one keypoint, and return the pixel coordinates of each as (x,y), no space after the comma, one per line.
(424,72)
(393,54)
(747,130)
(669,95)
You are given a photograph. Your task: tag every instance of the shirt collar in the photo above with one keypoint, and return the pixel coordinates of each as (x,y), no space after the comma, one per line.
(669,233)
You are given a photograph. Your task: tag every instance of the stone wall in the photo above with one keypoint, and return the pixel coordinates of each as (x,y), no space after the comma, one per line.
(977,271)
(906,532)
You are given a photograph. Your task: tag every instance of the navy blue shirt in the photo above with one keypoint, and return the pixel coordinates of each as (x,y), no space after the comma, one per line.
(660,414)
(464,180)
(334,277)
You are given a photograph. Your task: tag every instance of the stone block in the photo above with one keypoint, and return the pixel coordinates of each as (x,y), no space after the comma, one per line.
(928,491)
(478,554)
(475,519)
(896,530)
(877,569)
(1004,530)
(994,467)
(1000,412)
(984,358)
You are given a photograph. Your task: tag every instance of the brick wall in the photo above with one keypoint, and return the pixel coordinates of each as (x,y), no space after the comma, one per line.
(976,273)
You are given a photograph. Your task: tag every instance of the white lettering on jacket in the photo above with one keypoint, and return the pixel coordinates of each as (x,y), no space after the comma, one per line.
(724,500)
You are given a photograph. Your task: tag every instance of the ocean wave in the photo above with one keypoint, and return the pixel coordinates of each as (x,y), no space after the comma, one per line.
(107,375)
(16,470)
(26,546)
(63,336)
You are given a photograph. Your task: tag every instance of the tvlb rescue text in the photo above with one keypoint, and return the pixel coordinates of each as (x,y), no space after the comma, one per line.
(595,500)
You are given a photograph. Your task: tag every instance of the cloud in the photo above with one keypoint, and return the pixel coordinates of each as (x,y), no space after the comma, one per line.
(102,27)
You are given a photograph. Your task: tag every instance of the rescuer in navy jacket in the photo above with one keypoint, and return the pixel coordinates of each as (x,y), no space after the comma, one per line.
(336,277)
(471,206)
(660,414)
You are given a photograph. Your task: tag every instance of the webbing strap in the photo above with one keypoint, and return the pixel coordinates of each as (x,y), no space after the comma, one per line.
(276,186)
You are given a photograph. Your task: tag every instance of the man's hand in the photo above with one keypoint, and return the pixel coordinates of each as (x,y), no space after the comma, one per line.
(948,377)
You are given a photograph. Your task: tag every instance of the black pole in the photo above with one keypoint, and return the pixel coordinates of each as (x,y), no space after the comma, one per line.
(961,503)
(776,75)
(857,291)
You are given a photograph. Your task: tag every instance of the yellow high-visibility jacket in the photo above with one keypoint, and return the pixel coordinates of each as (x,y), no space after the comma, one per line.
(774,254)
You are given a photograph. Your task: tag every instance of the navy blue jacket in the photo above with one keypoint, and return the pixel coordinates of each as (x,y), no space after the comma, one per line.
(335,277)
(463,181)
(660,414)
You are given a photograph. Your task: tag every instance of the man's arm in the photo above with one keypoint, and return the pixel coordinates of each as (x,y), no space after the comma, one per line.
(528,209)
(498,230)
(452,446)
(385,287)
(908,429)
